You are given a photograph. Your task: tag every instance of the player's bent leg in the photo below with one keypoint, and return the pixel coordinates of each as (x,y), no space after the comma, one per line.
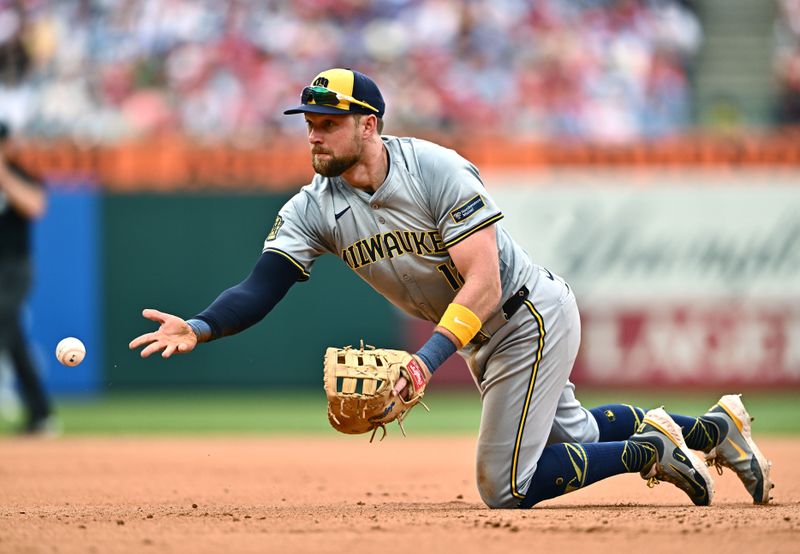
(572,422)
(512,432)
(700,433)
(617,422)
(522,372)
(567,467)
(656,451)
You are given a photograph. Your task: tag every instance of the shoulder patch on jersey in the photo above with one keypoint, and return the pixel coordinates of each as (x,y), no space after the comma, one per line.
(273,234)
(468,209)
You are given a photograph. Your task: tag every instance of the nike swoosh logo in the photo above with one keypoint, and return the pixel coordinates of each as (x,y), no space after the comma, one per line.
(742,453)
(464,323)
(340,214)
(573,485)
(699,490)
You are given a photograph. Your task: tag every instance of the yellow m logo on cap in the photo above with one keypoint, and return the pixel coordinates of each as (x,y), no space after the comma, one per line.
(337,80)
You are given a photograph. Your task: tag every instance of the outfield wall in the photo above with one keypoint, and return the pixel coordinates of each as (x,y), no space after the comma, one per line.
(683,277)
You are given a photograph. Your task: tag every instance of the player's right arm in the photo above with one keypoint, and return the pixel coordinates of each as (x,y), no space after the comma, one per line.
(288,254)
(236,309)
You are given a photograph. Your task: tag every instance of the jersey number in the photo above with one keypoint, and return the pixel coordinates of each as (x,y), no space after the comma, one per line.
(451,275)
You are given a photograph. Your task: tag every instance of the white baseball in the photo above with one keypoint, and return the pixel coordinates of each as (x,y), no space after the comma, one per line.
(70,351)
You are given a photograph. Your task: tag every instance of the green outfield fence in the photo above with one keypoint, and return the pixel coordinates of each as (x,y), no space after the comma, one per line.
(177,252)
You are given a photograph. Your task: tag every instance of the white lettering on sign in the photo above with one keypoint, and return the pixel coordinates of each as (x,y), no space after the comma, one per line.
(695,233)
(707,344)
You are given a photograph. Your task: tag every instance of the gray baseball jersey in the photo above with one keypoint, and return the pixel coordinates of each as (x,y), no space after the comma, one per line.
(397,240)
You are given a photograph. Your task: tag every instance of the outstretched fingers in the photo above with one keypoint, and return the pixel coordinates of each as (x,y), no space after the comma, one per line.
(157,344)
(153,347)
(154,315)
(142,340)
(170,338)
(169,350)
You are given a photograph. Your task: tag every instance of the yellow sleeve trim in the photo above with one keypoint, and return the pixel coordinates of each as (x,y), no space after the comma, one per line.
(474,230)
(461,321)
(303,273)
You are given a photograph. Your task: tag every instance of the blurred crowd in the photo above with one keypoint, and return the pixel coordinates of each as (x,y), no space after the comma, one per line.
(110,70)
(787,61)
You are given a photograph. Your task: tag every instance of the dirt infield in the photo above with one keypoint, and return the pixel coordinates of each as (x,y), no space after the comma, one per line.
(341,494)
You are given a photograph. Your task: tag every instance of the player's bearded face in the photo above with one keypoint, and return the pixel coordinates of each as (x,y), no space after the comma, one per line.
(336,160)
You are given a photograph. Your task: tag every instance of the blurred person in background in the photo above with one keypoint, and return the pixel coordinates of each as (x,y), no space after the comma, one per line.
(22,200)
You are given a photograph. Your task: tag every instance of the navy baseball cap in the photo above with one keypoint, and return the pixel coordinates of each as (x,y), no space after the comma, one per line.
(341,91)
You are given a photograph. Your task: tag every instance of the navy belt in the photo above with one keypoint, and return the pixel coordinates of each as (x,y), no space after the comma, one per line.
(510,307)
(514,303)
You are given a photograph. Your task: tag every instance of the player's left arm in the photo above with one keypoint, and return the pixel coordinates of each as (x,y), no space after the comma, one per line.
(477,260)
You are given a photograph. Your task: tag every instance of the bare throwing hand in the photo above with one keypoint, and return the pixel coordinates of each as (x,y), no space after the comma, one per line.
(173,335)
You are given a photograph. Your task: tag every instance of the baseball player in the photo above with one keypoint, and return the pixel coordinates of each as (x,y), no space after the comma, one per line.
(414,220)
(23,199)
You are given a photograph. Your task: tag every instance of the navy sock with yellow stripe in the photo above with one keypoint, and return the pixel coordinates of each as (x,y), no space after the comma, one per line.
(617,422)
(699,433)
(567,467)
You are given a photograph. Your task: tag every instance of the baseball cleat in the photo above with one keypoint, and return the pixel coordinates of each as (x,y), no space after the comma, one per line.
(673,461)
(736,449)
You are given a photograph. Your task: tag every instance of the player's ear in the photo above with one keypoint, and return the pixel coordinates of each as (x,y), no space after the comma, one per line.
(370,123)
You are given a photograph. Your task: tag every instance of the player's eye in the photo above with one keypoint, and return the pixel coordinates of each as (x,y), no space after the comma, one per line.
(327,124)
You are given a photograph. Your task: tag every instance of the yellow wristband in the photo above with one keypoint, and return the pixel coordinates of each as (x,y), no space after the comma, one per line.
(460,321)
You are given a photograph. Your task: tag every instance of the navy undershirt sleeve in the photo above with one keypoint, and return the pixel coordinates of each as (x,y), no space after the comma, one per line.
(245,304)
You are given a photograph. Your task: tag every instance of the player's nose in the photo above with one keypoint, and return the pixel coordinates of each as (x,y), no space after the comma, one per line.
(314,137)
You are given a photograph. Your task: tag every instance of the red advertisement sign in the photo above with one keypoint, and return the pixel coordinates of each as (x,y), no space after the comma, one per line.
(710,344)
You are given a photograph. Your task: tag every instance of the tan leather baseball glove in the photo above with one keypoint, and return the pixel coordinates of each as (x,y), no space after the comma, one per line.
(359,384)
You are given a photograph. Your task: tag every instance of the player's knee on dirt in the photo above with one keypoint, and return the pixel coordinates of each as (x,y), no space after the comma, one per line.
(498,495)
(494,486)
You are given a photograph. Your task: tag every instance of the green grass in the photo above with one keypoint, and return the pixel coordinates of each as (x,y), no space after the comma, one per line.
(776,412)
